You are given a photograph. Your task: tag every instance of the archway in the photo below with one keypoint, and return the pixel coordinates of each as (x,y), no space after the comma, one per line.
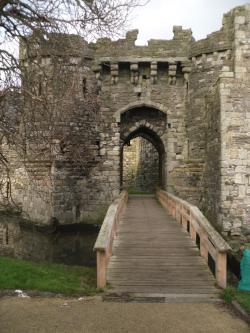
(142,160)
(142,104)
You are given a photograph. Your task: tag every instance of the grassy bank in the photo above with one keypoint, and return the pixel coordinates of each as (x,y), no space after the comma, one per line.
(243,298)
(25,275)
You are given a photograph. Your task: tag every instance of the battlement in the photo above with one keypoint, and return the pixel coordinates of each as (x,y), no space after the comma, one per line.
(54,44)
(181,45)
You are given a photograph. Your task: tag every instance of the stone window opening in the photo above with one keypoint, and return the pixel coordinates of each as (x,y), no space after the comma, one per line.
(7,235)
(98,144)
(144,71)
(77,212)
(105,68)
(62,147)
(179,75)
(7,190)
(39,87)
(84,87)
(124,71)
(163,69)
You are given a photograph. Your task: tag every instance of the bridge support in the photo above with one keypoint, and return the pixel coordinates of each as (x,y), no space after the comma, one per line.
(101,261)
(221,269)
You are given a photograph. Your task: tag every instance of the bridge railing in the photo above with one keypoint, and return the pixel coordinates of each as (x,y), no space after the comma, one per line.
(211,244)
(103,244)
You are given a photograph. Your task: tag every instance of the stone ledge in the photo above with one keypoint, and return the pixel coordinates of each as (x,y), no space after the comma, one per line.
(240,311)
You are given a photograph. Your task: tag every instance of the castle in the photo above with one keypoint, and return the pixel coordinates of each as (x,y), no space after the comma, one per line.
(189,100)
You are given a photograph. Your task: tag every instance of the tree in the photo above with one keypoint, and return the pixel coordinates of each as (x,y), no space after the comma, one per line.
(24,21)
(88,18)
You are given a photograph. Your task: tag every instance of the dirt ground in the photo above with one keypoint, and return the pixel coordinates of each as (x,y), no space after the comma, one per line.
(26,315)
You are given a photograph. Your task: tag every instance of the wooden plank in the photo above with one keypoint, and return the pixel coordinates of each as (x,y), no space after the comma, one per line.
(166,290)
(196,284)
(152,252)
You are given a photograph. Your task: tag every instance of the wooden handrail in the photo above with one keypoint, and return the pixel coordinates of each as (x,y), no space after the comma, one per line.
(210,242)
(103,244)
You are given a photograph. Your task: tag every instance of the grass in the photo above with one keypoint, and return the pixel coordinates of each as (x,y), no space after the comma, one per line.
(243,298)
(25,275)
(228,294)
(137,192)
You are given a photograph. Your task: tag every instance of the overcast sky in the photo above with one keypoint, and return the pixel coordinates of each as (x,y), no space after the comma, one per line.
(156,19)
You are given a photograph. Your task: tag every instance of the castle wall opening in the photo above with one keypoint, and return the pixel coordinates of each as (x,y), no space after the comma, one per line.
(142,161)
(140,166)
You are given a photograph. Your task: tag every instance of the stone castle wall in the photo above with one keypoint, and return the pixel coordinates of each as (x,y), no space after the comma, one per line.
(189,98)
(140,166)
(227,152)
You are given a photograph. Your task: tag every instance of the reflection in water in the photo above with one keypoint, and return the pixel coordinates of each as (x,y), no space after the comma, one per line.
(71,244)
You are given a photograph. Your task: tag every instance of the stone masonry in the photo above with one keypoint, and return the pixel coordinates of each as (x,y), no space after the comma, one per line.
(140,166)
(190,99)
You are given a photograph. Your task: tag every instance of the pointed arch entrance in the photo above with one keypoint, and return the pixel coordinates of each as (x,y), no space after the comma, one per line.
(142,153)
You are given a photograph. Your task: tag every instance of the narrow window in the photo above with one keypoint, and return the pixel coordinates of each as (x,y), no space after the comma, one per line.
(84,87)
(7,190)
(40,87)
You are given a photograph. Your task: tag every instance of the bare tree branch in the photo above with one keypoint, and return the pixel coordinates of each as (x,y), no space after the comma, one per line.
(30,124)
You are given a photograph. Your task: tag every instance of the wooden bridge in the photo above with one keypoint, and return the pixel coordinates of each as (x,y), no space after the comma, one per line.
(149,247)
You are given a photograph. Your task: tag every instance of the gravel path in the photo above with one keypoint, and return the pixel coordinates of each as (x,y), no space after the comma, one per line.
(87,315)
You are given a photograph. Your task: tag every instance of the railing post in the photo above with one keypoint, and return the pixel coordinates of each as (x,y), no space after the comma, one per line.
(192,229)
(101,268)
(175,210)
(179,212)
(184,219)
(203,248)
(221,269)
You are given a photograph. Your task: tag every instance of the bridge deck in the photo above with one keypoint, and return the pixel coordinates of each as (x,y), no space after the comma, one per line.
(152,254)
